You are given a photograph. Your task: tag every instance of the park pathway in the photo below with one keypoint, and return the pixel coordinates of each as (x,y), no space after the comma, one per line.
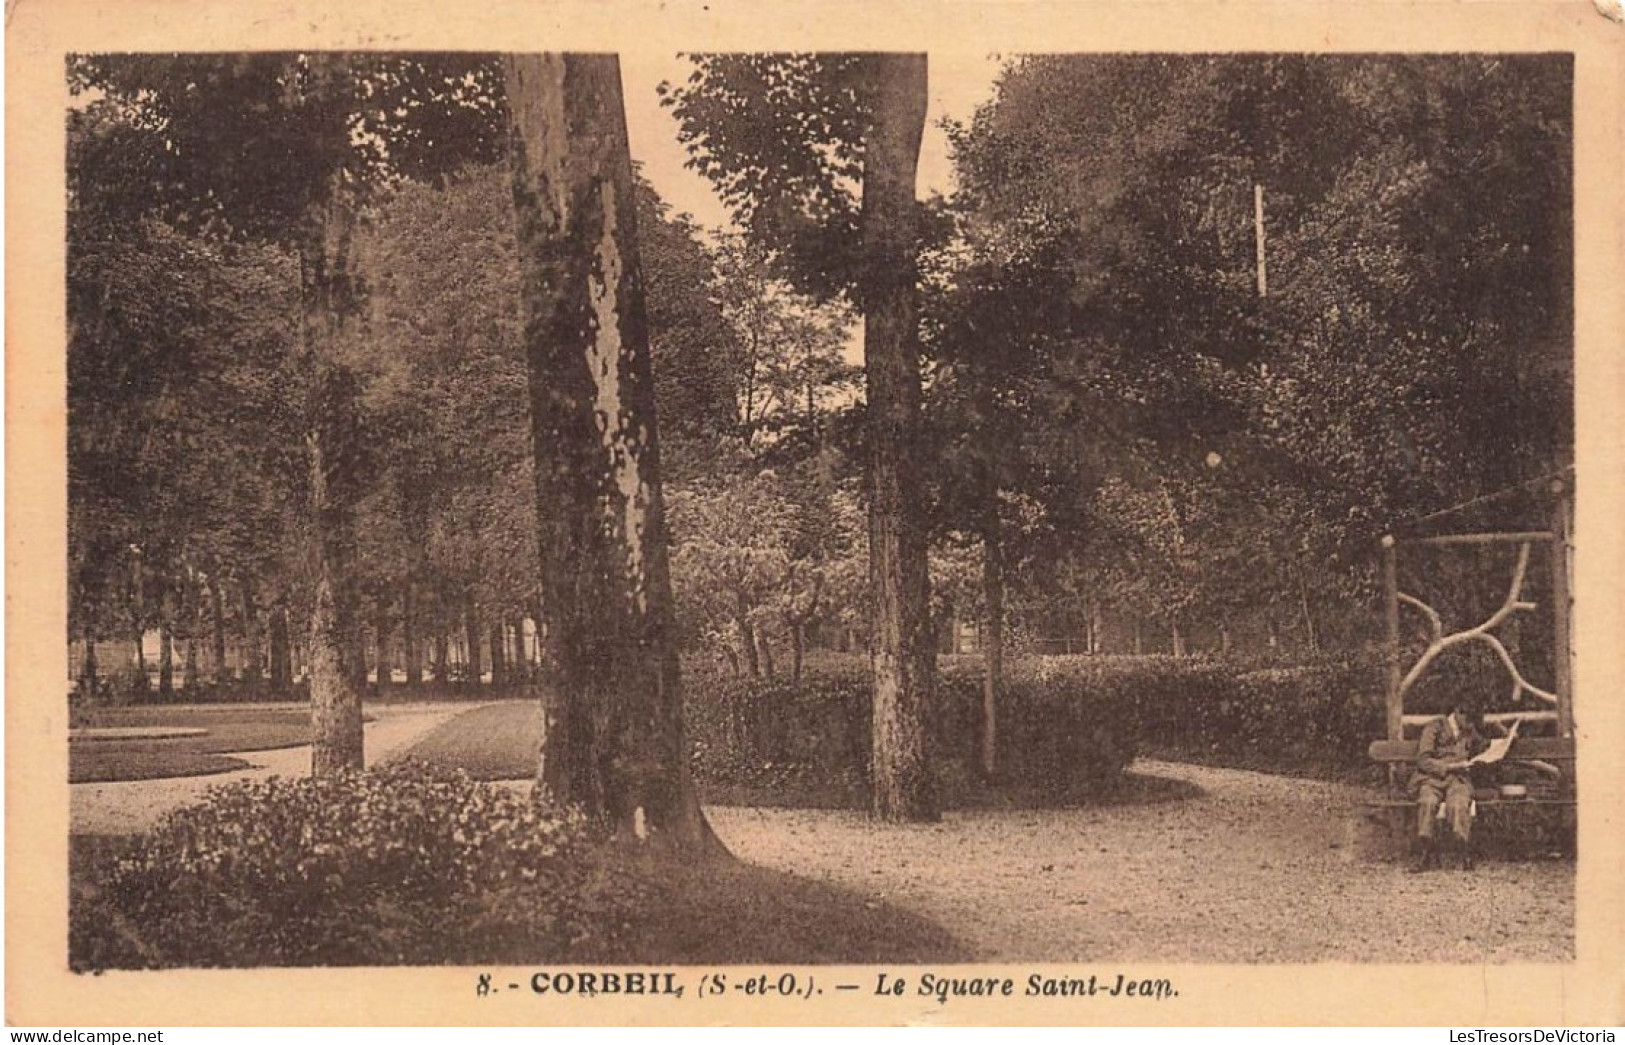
(129,806)
(1237,867)
(1204,865)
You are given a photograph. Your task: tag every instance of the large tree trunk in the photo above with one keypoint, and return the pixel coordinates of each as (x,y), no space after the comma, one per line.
(903,653)
(993,641)
(614,738)
(331,423)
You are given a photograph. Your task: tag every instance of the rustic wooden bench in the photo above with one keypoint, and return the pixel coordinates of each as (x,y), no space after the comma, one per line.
(1557,751)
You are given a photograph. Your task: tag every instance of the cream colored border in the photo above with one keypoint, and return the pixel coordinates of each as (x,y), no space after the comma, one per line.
(39,990)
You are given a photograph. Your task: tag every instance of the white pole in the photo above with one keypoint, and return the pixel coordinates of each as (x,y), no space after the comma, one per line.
(1258,226)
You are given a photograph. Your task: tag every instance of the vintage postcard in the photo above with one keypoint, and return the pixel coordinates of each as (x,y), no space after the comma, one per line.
(943,513)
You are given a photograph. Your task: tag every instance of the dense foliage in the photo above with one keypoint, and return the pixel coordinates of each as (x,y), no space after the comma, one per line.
(402,864)
(1243,446)
(1073,726)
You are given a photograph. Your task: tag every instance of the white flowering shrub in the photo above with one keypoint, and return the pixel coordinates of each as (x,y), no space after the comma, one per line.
(388,865)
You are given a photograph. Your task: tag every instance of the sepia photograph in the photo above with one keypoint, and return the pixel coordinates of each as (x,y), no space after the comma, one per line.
(948,526)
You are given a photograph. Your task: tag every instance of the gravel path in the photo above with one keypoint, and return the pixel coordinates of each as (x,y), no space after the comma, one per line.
(131,806)
(1257,868)
(1232,866)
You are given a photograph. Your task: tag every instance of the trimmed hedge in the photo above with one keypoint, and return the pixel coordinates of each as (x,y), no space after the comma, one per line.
(1068,726)
(1312,719)
(772,741)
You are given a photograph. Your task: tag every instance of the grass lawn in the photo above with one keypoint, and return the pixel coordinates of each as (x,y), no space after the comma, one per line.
(230,729)
(496,742)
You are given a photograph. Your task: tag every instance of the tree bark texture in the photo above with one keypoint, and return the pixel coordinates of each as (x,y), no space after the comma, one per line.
(331,422)
(902,648)
(614,738)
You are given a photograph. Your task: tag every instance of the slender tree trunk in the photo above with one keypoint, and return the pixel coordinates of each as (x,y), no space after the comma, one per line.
(1097,627)
(614,739)
(764,647)
(140,661)
(138,626)
(281,651)
(253,653)
(442,658)
(381,628)
(166,660)
(1224,637)
(903,651)
(189,672)
(1308,617)
(1178,637)
(327,303)
(798,647)
(217,614)
(993,646)
(1139,637)
(166,644)
(499,658)
(471,636)
(518,664)
(88,668)
(413,651)
(747,640)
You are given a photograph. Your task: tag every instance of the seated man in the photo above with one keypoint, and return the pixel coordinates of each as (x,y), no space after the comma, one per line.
(1442,777)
